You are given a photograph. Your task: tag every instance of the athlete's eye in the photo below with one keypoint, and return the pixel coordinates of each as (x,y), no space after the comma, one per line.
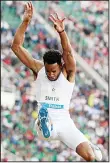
(53,71)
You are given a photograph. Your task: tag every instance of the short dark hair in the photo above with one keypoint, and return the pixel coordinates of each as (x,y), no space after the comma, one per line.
(52,56)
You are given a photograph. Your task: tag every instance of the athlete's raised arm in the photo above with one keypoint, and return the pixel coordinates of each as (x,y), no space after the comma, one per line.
(68,57)
(17,45)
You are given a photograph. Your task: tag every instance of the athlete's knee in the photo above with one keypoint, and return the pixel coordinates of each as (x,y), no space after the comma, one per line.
(85,151)
(90,157)
(87,155)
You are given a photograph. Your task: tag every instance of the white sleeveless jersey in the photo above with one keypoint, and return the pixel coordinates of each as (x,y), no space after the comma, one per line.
(55,95)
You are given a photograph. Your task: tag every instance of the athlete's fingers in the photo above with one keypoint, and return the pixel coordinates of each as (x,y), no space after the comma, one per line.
(52,19)
(57,16)
(29,4)
(25,7)
(30,7)
(63,19)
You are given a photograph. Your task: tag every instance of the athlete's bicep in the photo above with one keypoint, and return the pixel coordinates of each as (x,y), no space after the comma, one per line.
(70,65)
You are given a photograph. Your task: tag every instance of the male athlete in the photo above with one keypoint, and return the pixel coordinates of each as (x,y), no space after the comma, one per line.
(54,87)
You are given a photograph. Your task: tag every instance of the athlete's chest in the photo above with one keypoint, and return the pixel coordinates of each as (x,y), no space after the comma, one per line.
(52,87)
(53,91)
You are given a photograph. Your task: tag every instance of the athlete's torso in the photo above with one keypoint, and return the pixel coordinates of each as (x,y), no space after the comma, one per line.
(55,94)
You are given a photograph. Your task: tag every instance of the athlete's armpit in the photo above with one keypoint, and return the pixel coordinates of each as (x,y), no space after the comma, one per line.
(71,76)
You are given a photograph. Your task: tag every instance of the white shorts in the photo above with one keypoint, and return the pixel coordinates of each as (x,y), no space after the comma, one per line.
(65,131)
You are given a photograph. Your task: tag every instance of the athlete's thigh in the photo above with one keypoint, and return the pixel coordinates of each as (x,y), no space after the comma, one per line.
(70,135)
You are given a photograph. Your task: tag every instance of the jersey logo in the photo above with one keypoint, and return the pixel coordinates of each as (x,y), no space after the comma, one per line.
(53,106)
(53,89)
(51,98)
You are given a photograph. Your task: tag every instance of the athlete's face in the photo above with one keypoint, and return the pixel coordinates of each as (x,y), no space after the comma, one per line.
(52,71)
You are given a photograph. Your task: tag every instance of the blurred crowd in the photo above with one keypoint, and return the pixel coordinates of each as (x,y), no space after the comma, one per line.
(89,105)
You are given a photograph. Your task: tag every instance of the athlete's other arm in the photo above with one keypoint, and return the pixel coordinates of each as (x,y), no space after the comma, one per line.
(68,57)
(17,45)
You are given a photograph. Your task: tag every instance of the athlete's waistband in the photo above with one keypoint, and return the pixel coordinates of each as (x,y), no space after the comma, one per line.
(56,111)
(53,106)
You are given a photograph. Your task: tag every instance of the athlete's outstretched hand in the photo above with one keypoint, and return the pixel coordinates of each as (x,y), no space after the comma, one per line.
(58,23)
(28,12)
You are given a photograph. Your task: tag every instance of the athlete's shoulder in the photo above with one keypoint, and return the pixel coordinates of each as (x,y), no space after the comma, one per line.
(38,65)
